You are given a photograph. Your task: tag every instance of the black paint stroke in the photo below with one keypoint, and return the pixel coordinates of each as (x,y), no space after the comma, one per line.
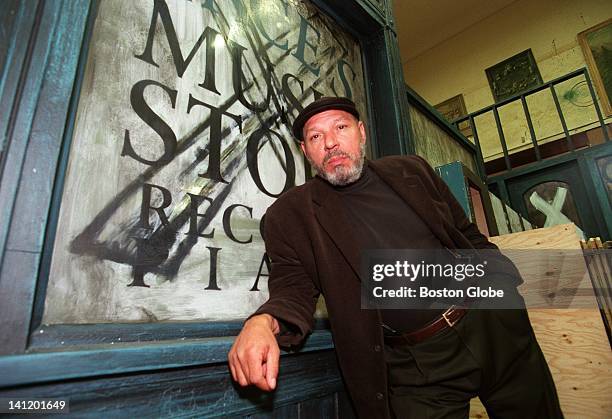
(152,252)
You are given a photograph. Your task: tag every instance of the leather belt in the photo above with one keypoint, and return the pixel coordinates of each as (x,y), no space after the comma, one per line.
(448,319)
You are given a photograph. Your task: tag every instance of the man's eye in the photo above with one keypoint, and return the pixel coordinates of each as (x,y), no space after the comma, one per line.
(342,126)
(314,137)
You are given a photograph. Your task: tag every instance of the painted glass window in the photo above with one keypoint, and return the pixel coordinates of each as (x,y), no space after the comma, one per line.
(181,142)
(551,203)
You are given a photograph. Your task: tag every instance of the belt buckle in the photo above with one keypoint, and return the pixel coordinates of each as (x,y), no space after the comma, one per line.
(449,322)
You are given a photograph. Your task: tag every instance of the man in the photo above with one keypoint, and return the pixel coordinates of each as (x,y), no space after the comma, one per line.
(433,361)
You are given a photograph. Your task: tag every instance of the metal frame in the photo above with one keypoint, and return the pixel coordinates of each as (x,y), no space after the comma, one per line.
(522,97)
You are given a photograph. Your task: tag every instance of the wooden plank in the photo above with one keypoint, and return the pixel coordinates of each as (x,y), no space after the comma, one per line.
(16,22)
(500,215)
(561,236)
(16,89)
(18,276)
(205,391)
(526,224)
(61,336)
(576,347)
(7,40)
(119,358)
(598,261)
(38,172)
(30,163)
(48,337)
(515,220)
(574,341)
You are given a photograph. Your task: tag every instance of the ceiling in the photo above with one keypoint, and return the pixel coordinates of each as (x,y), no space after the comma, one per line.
(423,24)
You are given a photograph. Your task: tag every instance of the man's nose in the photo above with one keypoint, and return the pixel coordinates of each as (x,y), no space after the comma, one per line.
(331,141)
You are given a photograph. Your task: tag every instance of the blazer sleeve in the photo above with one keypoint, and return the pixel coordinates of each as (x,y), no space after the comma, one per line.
(506,273)
(293,294)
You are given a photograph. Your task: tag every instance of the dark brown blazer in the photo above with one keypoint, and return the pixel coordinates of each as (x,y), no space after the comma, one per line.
(313,250)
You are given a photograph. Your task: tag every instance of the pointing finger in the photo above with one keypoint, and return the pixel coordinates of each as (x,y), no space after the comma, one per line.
(272,361)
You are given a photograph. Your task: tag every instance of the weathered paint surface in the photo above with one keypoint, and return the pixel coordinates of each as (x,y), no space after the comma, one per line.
(438,147)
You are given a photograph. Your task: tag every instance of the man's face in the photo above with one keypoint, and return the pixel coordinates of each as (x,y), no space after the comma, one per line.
(334,144)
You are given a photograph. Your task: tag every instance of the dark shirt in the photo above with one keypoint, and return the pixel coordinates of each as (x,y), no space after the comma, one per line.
(382,220)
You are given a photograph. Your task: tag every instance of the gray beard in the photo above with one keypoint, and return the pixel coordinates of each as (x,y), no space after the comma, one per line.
(342,175)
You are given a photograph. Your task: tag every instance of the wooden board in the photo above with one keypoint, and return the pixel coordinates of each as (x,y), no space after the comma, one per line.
(574,341)
(561,236)
(515,220)
(500,215)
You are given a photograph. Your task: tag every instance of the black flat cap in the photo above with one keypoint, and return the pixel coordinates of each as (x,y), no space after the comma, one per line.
(320,105)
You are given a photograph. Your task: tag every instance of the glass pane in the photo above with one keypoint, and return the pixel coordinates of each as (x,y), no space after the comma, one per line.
(551,203)
(181,142)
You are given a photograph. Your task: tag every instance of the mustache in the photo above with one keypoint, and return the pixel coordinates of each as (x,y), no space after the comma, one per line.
(335,154)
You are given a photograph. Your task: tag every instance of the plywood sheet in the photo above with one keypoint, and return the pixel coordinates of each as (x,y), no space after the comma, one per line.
(574,341)
(562,236)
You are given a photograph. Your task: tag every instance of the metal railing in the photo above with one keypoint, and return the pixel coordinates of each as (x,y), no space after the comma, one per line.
(522,97)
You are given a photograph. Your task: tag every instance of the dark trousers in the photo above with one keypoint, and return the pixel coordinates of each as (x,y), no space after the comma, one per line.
(490,354)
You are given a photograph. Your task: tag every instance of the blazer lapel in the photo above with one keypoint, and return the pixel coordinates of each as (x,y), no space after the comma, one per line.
(411,189)
(332,215)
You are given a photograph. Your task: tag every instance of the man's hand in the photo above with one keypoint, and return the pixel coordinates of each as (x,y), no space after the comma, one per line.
(254,356)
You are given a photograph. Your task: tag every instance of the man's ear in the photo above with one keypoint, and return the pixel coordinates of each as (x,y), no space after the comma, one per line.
(302,147)
(362,131)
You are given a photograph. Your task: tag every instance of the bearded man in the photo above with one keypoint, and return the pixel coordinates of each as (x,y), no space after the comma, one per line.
(424,363)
